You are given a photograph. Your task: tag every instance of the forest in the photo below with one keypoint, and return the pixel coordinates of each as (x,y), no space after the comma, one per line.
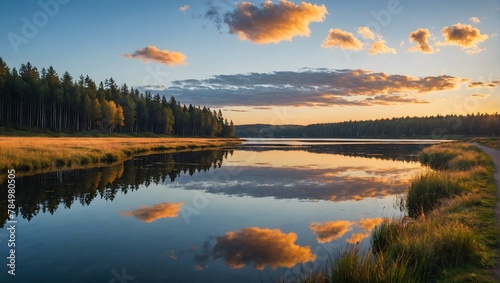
(41,100)
(431,126)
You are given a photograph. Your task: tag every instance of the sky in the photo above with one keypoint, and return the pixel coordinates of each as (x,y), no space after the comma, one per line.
(273,62)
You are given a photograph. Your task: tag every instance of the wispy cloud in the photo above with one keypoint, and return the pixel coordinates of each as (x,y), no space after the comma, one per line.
(152,53)
(342,39)
(310,87)
(465,36)
(484,84)
(379,46)
(273,23)
(346,40)
(184,8)
(365,32)
(329,231)
(474,20)
(151,213)
(421,38)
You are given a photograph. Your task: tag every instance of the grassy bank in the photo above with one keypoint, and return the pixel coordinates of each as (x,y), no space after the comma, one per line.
(489,142)
(41,154)
(450,234)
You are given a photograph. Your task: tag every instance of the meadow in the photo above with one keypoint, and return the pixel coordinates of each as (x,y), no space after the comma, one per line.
(43,154)
(449,235)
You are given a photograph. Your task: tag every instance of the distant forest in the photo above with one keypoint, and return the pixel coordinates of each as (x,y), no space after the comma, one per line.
(432,127)
(32,99)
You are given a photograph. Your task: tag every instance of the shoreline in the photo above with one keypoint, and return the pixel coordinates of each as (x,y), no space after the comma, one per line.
(450,233)
(33,155)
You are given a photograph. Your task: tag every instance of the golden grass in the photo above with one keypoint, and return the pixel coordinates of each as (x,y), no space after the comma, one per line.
(489,142)
(42,154)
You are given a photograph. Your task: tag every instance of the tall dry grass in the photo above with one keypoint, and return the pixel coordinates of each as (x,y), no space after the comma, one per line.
(45,153)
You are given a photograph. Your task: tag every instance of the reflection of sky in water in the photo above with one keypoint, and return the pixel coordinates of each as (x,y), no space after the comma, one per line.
(250,220)
(304,175)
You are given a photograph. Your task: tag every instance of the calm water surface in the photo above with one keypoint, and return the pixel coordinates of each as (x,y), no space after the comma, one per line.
(251,214)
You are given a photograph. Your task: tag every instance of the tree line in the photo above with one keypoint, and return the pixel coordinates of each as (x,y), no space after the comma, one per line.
(33,99)
(430,126)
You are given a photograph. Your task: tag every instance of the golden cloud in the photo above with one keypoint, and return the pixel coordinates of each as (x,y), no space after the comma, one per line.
(464,36)
(273,23)
(261,247)
(366,33)
(474,20)
(380,47)
(421,37)
(151,213)
(484,84)
(152,53)
(329,231)
(478,95)
(184,8)
(356,238)
(341,39)
(369,224)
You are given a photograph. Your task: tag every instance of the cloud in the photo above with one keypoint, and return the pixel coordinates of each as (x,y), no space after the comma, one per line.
(421,37)
(151,213)
(380,47)
(369,224)
(357,238)
(478,95)
(273,23)
(262,247)
(484,84)
(465,36)
(184,8)
(341,39)
(152,53)
(474,20)
(329,231)
(365,32)
(309,87)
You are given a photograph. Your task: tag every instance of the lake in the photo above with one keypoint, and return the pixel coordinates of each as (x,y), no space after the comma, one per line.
(254,213)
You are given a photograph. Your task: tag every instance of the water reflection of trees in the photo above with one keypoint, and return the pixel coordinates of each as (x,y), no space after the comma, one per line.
(393,151)
(47,192)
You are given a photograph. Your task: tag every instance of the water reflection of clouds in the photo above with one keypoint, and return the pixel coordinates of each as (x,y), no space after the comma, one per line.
(151,213)
(335,184)
(329,231)
(258,246)
(332,230)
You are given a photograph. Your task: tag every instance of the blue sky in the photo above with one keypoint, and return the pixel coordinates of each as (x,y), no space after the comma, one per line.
(92,37)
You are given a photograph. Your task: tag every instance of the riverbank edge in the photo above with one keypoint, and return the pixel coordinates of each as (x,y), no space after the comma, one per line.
(93,152)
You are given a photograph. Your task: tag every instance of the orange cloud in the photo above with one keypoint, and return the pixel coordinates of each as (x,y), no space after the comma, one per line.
(465,36)
(366,33)
(341,39)
(369,224)
(151,213)
(484,84)
(357,238)
(380,47)
(273,23)
(261,247)
(329,231)
(478,95)
(169,58)
(474,20)
(421,37)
